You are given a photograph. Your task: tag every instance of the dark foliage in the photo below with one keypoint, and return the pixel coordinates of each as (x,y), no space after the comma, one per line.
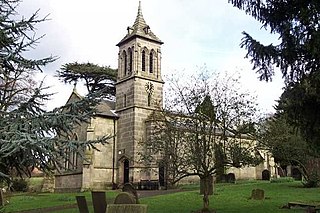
(297,56)
(96,78)
(30,136)
(19,185)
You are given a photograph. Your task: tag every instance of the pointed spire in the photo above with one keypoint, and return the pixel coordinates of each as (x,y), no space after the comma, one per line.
(140,28)
(139,23)
(139,9)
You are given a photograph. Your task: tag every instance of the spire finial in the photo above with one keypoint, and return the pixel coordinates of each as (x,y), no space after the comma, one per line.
(139,9)
(75,86)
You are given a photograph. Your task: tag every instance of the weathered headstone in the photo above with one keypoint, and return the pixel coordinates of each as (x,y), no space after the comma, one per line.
(1,198)
(82,204)
(257,194)
(99,201)
(125,198)
(126,208)
(128,187)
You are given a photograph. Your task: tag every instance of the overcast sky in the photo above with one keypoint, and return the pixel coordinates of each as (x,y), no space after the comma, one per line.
(195,34)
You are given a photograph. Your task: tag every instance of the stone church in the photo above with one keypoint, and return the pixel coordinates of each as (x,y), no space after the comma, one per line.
(139,89)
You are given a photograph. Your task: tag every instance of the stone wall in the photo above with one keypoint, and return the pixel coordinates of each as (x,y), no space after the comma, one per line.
(68,182)
(97,173)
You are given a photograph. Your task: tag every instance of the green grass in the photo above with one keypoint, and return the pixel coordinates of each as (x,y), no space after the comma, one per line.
(235,198)
(24,201)
(227,198)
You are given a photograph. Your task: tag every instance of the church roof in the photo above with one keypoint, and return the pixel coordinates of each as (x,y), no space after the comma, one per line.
(106,108)
(140,29)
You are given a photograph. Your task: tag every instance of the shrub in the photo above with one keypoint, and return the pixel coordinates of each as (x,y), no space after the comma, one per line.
(282,180)
(312,182)
(19,185)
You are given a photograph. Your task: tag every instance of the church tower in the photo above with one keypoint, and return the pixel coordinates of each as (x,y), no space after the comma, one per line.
(139,91)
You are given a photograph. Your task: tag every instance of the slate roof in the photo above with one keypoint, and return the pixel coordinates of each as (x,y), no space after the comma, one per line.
(140,29)
(106,108)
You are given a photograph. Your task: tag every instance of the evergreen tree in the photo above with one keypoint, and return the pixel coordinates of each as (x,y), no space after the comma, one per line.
(30,136)
(95,77)
(297,55)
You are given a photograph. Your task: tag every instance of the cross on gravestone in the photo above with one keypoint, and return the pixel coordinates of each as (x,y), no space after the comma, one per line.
(99,201)
(82,204)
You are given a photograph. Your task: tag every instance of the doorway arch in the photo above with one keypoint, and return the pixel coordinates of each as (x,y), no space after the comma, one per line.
(265,174)
(126,171)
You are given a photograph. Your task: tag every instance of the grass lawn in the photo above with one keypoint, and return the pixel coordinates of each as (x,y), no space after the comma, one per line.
(227,198)
(235,198)
(27,201)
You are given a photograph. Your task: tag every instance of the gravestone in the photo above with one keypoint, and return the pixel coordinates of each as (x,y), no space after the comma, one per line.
(126,208)
(128,187)
(99,201)
(125,198)
(231,178)
(1,198)
(257,194)
(82,204)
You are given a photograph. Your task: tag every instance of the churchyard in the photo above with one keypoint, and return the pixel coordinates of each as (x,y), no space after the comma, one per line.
(226,198)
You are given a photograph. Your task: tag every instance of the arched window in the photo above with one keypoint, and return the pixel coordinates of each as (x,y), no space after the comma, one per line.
(143,60)
(130,61)
(66,160)
(125,100)
(125,63)
(151,62)
(75,154)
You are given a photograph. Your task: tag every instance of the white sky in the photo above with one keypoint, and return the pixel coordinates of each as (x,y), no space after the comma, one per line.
(195,33)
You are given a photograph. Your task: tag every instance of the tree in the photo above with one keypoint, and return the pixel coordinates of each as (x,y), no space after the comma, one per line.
(95,77)
(285,143)
(300,103)
(194,127)
(297,55)
(30,136)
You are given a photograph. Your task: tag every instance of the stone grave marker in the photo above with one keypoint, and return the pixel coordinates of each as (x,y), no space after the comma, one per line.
(128,187)
(99,201)
(257,194)
(82,204)
(125,198)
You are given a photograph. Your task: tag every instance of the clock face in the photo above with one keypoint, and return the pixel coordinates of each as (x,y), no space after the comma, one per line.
(149,87)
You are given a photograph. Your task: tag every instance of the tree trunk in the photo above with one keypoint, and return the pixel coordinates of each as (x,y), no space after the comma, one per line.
(203,181)
(205,200)
(207,183)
